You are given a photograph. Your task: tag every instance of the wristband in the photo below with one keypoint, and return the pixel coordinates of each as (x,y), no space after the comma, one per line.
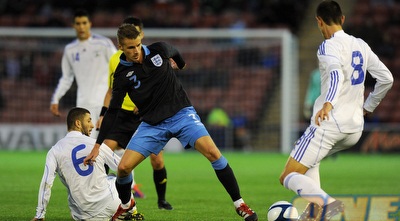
(103,111)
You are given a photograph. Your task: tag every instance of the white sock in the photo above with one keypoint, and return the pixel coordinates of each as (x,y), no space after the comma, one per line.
(307,188)
(238,202)
(313,173)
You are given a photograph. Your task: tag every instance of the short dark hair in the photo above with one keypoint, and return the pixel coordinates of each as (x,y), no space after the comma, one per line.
(134,21)
(80,12)
(127,31)
(76,113)
(329,11)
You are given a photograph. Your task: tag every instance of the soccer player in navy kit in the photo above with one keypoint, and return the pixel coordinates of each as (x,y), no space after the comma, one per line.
(145,73)
(128,121)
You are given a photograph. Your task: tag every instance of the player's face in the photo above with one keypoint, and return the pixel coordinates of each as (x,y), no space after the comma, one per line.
(87,125)
(132,49)
(82,27)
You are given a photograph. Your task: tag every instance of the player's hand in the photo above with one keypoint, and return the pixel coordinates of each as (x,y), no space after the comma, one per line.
(173,64)
(98,123)
(366,112)
(136,110)
(92,156)
(54,110)
(36,219)
(323,114)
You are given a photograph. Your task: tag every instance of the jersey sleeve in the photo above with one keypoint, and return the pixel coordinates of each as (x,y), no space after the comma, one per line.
(171,52)
(66,80)
(384,81)
(118,93)
(46,184)
(111,49)
(110,158)
(329,57)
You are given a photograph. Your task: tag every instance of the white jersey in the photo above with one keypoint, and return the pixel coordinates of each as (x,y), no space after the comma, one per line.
(89,191)
(87,62)
(343,62)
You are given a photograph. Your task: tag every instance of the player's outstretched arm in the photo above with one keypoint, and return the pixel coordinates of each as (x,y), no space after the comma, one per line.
(92,156)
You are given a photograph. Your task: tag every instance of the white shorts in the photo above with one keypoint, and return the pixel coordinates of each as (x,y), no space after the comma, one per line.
(316,143)
(113,204)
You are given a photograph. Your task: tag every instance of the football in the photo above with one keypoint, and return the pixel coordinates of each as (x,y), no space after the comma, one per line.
(282,211)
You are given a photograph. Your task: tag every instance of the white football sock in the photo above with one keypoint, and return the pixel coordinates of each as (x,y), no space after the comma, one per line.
(307,188)
(313,173)
(238,202)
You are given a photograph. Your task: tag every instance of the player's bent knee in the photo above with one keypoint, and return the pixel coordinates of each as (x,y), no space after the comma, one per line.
(282,178)
(157,162)
(124,170)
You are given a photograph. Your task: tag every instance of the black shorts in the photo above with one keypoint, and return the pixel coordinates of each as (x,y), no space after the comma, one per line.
(125,126)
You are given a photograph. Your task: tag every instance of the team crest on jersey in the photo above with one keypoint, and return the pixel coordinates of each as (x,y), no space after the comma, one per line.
(129,73)
(157,60)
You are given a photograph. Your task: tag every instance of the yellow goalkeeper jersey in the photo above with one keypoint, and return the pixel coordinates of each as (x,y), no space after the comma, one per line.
(114,61)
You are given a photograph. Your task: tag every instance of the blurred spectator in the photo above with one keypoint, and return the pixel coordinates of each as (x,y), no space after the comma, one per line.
(312,93)
(241,134)
(13,65)
(170,13)
(218,122)
(2,101)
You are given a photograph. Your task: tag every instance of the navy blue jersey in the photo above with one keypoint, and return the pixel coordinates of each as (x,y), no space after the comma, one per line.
(152,86)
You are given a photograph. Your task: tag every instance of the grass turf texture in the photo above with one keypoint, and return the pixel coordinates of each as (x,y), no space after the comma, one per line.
(193,188)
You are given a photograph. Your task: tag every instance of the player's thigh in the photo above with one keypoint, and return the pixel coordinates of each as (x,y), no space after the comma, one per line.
(187,127)
(292,166)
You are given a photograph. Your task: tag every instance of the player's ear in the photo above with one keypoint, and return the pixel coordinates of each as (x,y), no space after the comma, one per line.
(319,21)
(141,35)
(343,18)
(120,47)
(78,124)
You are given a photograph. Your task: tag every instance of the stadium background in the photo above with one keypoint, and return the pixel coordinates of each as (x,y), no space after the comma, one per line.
(30,67)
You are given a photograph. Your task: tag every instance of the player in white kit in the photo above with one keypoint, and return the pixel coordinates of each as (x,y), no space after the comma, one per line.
(338,114)
(91,193)
(85,60)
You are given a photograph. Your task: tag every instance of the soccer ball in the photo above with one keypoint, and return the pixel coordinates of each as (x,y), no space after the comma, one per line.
(282,211)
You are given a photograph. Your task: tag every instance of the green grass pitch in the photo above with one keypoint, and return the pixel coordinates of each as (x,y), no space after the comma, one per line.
(193,188)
